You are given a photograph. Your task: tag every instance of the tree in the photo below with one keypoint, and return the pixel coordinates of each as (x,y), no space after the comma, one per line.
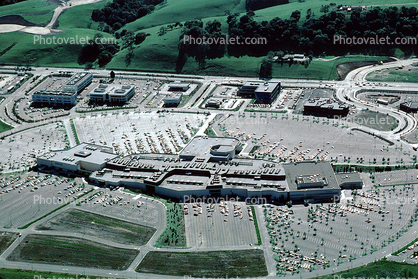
(308,14)
(266,68)
(129,56)
(112,74)
(140,37)
(295,16)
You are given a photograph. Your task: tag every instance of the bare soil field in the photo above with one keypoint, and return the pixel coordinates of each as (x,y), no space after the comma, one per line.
(119,231)
(225,264)
(6,239)
(71,251)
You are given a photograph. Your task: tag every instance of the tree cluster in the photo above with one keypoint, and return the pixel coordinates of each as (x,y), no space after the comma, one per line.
(120,12)
(93,51)
(192,42)
(316,35)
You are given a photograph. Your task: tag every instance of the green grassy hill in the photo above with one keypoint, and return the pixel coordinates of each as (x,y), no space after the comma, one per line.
(173,11)
(158,53)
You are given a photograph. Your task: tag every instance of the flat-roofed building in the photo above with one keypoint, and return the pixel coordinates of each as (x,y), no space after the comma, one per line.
(83,157)
(172,99)
(114,94)
(213,103)
(214,148)
(54,98)
(409,106)
(77,82)
(314,181)
(350,180)
(325,106)
(207,166)
(178,86)
(264,92)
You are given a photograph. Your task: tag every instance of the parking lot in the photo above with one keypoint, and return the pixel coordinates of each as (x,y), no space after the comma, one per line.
(8,83)
(26,197)
(219,224)
(136,132)
(23,148)
(126,206)
(317,236)
(286,137)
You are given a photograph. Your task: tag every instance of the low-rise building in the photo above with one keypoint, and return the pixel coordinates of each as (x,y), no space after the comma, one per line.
(325,106)
(207,166)
(54,98)
(409,106)
(84,157)
(213,103)
(77,82)
(114,94)
(264,92)
(178,86)
(172,99)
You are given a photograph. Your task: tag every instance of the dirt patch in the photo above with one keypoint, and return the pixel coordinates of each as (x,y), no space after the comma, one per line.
(72,251)
(6,239)
(15,19)
(382,98)
(100,226)
(344,68)
(229,264)
(375,120)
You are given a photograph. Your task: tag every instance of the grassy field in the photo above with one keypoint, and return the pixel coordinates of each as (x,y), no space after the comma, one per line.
(28,51)
(397,75)
(379,269)
(4,127)
(210,132)
(83,15)
(27,274)
(171,11)
(100,226)
(6,239)
(375,120)
(62,250)
(174,234)
(225,264)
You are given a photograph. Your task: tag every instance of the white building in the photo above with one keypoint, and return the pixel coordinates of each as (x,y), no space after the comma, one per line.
(54,98)
(178,86)
(173,99)
(112,93)
(77,82)
(84,157)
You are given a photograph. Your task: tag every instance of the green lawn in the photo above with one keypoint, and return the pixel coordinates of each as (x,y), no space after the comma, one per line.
(4,127)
